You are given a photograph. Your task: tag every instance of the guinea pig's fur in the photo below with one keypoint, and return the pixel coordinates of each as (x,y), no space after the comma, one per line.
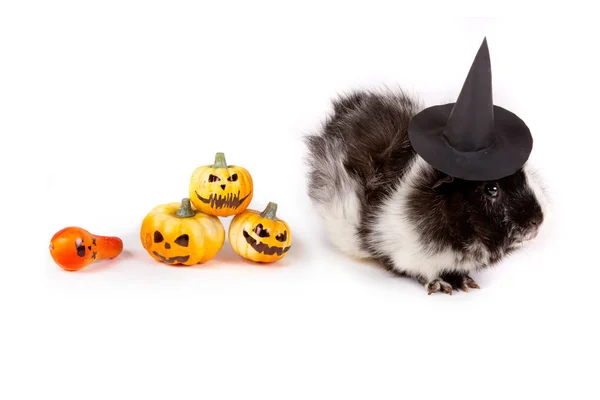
(380,200)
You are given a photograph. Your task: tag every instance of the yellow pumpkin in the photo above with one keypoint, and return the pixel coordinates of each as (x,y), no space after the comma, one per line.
(260,236)
(176,234)
(220,189)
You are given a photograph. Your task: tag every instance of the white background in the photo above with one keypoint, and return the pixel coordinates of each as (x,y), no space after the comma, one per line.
(111,105)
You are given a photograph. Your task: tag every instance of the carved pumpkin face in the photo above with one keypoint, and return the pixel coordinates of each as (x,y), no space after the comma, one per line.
(177,235)
(260,237)
(221,190)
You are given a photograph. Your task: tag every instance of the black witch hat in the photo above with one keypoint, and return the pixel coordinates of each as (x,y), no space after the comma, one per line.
(472,139)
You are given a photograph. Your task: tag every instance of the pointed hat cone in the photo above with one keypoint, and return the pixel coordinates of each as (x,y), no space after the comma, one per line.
(472,139)
(471,121)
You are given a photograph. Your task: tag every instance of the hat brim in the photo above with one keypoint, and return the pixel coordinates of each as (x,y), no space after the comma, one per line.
(506,156)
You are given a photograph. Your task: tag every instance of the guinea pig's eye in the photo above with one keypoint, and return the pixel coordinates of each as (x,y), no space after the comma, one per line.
(491,190)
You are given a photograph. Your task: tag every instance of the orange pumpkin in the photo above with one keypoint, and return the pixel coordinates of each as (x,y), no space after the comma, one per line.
(175,234)
(260,236)
(73,248)
(220,189)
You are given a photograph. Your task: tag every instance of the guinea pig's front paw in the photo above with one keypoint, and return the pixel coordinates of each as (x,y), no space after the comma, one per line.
(449,282)
(460,281)
(438,285)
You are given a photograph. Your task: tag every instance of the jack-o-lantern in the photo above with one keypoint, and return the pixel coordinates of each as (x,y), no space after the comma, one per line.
(260,236)
(220,189)
(176,234)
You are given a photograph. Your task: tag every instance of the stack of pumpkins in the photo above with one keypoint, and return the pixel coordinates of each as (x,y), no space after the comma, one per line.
(191,232)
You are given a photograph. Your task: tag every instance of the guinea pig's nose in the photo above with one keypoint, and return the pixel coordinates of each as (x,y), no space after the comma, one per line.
(537,221)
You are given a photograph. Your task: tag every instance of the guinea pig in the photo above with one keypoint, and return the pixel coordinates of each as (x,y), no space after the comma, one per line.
(380,200)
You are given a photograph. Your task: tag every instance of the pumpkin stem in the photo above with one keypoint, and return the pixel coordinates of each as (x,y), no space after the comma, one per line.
(220,161)
(185,211)
(270,211)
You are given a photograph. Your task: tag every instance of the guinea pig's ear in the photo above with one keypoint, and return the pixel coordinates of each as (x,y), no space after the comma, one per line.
(442,180)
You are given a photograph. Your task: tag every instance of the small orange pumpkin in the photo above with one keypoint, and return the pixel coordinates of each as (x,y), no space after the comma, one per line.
(260,237)
(175,234)
(73,248)
(220,189)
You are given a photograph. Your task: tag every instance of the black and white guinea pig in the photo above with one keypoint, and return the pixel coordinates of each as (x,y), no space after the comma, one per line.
(380,200)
